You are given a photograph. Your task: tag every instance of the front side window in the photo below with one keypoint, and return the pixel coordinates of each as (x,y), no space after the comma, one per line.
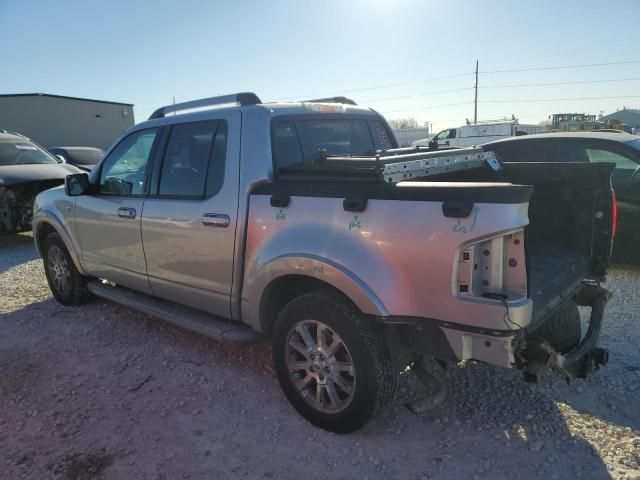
(446,135)
(123,171)
(194,160)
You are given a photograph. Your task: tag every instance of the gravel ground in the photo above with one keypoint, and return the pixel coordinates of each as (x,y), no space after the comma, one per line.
(101,391)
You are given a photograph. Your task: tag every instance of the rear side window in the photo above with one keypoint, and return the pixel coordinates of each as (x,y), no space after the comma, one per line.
(297,141)
(603,155)
(286,145)
(194,159)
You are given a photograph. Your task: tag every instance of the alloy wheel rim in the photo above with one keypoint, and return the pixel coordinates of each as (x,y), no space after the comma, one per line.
(320,366)
(59,270)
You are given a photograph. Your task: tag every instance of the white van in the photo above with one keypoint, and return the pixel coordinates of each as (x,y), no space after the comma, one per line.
(480,133)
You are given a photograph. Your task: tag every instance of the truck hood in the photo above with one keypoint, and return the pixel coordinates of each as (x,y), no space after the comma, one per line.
(17,174)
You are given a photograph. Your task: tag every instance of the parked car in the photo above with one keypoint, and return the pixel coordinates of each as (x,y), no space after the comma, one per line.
(26,169)
(477,134)
(276,220)
(84,158)
(620,148)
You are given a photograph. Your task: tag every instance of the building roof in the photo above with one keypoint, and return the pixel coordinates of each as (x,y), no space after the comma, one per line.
(62,96)
(630,116)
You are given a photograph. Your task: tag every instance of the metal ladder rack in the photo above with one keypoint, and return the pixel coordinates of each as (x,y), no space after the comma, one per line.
(425,164)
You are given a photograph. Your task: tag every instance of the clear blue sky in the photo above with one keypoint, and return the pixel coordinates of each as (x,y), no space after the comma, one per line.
(146,52)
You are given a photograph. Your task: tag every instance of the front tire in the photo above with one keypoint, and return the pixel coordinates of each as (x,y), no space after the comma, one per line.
(332,362)
(67,285)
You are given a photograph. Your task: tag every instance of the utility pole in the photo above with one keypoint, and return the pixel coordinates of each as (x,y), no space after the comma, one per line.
(475,103)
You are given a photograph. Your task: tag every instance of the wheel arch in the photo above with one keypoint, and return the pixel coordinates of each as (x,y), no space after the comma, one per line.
(287,278)
(47,225)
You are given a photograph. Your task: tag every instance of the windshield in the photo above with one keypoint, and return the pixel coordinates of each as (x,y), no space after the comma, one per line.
(635,144)
(307,141)
(22,152)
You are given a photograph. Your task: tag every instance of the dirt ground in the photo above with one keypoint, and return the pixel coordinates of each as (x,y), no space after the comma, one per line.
(102,392)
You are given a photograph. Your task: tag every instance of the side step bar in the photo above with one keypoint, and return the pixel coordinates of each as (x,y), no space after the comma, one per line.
(184,317)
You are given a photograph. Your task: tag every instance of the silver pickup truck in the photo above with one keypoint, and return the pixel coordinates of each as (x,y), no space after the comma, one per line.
(304,223)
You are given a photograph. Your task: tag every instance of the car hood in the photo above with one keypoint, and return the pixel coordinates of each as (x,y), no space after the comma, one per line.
(17,174)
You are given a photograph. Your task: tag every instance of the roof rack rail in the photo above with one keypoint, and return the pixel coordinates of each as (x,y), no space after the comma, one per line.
(242,98)
(344,100)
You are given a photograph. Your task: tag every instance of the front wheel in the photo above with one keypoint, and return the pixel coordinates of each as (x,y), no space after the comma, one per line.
(332,362)
(67,284)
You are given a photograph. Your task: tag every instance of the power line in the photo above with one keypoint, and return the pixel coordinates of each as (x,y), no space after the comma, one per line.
(578,82)
(533,100)
(419,109)
(404,97)
(561,67)
(379,87)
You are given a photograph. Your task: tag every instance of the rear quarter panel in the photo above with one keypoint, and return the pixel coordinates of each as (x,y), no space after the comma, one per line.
(397,257)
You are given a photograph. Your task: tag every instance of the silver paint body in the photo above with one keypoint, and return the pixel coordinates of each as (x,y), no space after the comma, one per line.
(400,258)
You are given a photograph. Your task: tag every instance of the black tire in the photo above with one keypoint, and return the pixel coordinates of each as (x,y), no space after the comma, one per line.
(374,378)
(563,329)
(59,264)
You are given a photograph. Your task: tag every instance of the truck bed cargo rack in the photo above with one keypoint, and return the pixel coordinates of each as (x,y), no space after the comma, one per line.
(425,164)
(395,165)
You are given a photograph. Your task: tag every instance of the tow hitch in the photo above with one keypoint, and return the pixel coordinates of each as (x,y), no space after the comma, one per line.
(534,353)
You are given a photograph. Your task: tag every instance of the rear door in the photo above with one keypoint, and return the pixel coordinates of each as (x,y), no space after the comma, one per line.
(108,221)
(189,219)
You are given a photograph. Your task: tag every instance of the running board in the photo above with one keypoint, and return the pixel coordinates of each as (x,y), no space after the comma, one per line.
(184,317)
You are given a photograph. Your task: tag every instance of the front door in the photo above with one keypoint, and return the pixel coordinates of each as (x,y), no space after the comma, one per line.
(189,218)
(108,221)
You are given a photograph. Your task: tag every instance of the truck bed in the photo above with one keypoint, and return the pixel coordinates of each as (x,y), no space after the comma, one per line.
(553,271)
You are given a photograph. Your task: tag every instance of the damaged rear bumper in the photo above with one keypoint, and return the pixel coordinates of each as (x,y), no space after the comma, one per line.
(534,354)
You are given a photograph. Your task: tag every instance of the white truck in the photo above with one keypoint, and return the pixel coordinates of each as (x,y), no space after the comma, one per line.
(478,134)
(304,223)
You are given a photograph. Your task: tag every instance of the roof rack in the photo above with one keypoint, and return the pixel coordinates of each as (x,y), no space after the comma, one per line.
(242,98)
(344,100)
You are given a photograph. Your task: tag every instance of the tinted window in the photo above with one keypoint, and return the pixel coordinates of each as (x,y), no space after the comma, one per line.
(602,155)
(381,138)
(83,156)
(286,146)
(191,149)
(22,152)
(335,136)
(215,174)
(123,171)
(298,141)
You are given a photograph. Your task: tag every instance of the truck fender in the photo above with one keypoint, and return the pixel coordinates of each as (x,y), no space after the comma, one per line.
(308,265)
(44,218)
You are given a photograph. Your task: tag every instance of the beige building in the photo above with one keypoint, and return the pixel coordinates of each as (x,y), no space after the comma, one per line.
(55,120)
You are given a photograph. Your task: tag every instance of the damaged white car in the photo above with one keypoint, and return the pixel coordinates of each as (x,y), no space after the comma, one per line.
(26,169)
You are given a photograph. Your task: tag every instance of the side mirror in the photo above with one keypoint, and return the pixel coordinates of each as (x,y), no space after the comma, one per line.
(76,184)
(60,158)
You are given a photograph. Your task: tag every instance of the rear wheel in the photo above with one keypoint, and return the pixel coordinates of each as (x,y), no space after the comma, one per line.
(563,329)
(67,285)
(332,363)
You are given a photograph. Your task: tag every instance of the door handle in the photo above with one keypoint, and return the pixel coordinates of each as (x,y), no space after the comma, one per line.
(126,212)
(215,220)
